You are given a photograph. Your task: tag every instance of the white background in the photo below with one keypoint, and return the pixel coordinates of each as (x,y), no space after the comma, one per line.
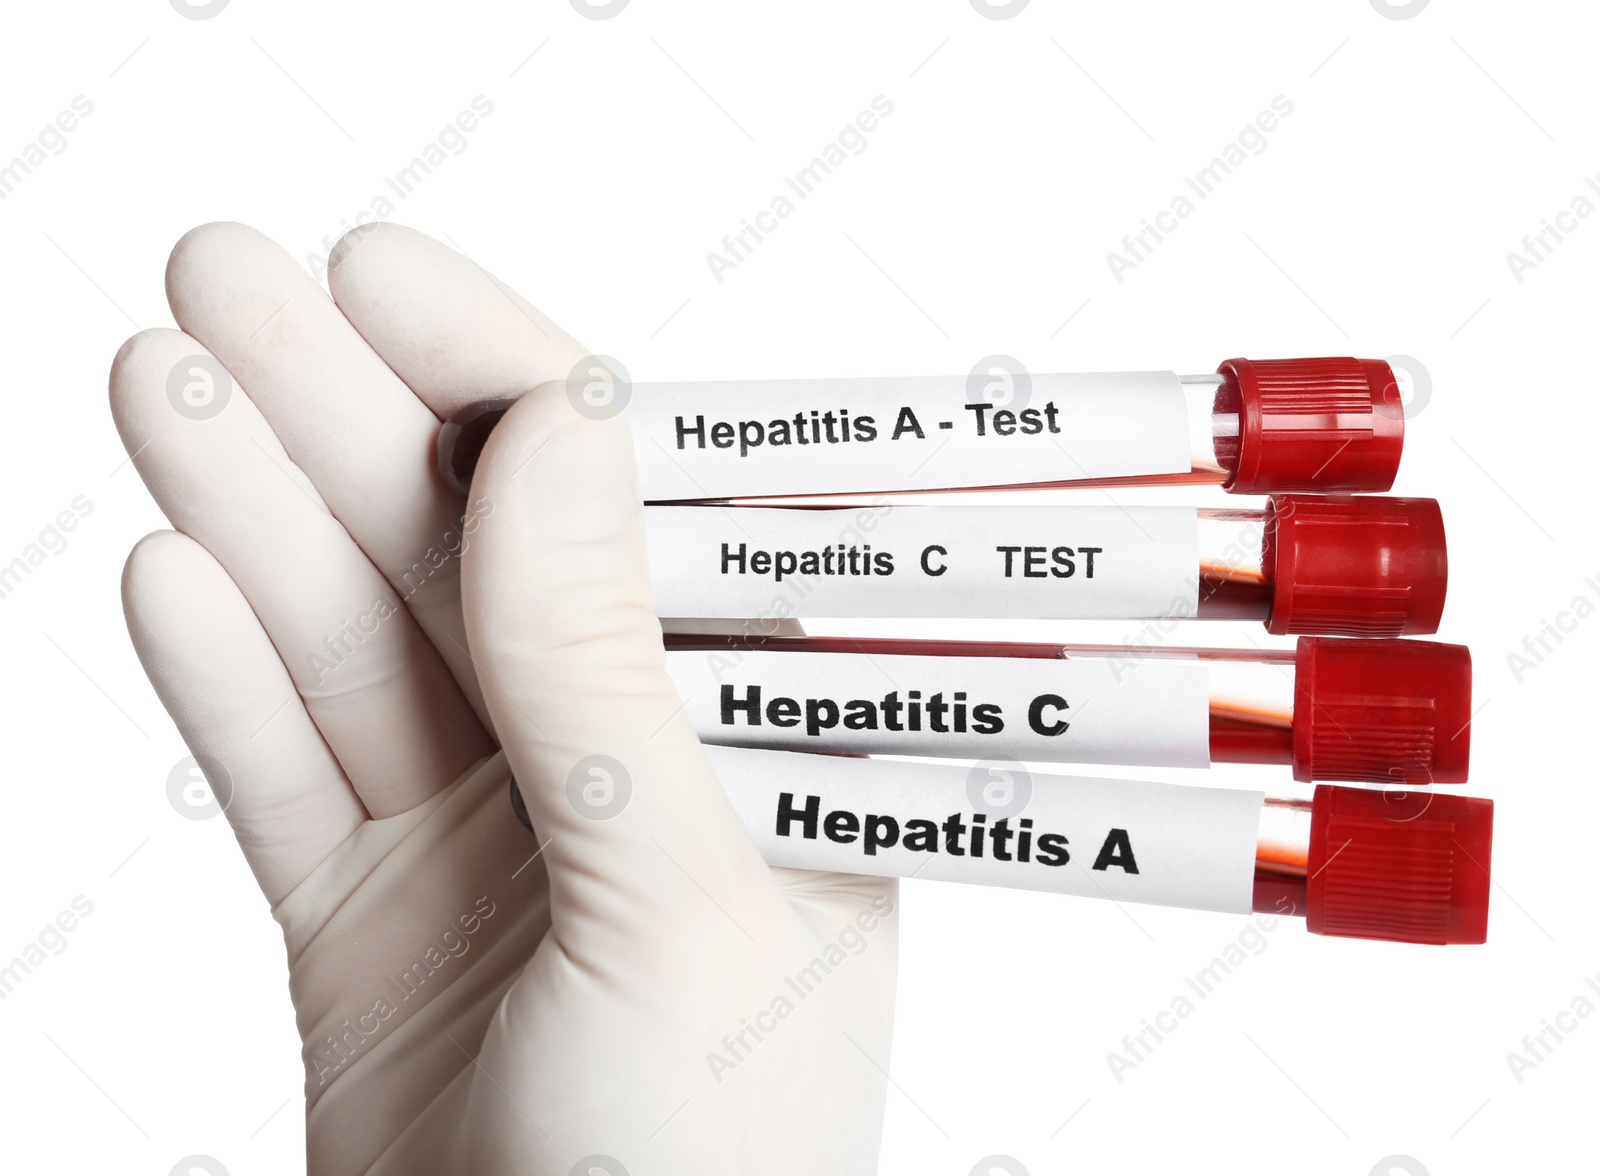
(1377,221)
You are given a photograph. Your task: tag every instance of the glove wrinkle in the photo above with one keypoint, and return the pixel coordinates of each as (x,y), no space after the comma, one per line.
(407,910)
(415,1080)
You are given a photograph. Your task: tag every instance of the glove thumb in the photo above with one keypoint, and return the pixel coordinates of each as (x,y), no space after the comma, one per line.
(630,819)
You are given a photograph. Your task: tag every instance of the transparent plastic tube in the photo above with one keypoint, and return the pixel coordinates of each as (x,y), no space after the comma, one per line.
(1411,867)
(1380,711)
(1255,427)
(1359,566)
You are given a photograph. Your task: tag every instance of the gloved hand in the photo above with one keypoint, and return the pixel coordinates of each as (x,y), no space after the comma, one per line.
(630,989)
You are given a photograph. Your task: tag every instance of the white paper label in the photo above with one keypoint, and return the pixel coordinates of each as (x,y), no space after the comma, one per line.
(860,436)
(998,825)
(1138,711)
(883,560)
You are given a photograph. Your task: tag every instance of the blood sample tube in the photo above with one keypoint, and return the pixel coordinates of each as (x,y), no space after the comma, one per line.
(1406,866)
(1341,565)
(1411,867)
(1381,711)
(1255,427)
(1420,872)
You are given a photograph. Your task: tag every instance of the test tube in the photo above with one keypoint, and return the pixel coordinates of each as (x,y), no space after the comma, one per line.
(1410,867)
(1336,565)
(1255,427)
(1380,711)
(1363,863)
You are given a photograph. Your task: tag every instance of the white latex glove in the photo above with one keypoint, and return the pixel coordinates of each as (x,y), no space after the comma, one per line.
(639,991)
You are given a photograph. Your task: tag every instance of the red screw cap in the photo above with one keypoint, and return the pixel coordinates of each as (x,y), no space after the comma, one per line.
(1411,867)
(1354,567)
(1311,424)
(1390,712)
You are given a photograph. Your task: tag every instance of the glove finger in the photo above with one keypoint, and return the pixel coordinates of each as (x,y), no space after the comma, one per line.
(343,416)
(458,336)
(641,842)
(378,691)
(237,709)
(454,333)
